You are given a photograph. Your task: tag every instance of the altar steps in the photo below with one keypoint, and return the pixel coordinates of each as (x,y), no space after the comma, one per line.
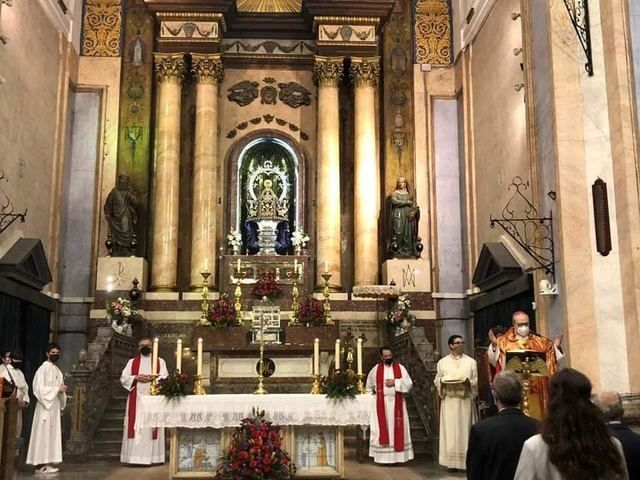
(107,440)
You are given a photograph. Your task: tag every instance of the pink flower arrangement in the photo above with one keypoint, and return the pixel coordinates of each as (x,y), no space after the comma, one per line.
(311,312)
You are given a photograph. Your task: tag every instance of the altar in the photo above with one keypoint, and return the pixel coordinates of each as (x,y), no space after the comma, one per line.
(202,425)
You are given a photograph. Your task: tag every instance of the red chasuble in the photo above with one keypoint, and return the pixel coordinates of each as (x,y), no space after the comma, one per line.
(133,399)
(398,416)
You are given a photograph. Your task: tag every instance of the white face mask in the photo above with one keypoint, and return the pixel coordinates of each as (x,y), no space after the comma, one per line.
(523,330)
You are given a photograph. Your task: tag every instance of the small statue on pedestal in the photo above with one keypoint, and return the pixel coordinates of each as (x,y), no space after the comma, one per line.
(402,223)
(120,211)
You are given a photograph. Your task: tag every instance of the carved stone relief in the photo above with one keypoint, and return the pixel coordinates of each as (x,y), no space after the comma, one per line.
(291,93)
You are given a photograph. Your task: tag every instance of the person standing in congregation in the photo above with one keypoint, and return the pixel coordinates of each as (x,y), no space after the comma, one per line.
(390,440)
(143,446)
(11,374)
(457,385)
(495,443)
(45,445)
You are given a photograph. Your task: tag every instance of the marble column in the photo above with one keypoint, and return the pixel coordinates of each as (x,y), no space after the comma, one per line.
(208,72)
(328,74)
(169,70)
(364,74)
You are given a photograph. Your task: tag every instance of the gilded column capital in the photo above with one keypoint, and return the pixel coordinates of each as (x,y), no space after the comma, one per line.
(169,67)
(207,68)
(364,72)
(327,71)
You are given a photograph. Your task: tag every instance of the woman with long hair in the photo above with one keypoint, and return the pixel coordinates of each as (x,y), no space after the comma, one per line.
(574,443)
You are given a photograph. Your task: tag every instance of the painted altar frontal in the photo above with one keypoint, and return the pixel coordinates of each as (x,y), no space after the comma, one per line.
(202,426)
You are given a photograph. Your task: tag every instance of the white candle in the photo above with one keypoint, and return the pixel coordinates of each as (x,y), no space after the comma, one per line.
(316,356)
(179,355)
(199,370)
(154,357)
(326,266)
(337,354)
(238,266)
(206,264)
(359,356)
(295,266)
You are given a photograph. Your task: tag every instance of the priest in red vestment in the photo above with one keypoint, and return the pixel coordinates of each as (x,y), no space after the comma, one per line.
(520,337)
(144,446)
(390,437)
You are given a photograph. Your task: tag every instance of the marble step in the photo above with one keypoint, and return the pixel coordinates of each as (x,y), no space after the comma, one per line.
(107,446)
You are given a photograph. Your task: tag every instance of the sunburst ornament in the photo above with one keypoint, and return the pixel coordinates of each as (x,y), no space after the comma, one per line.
(269,6)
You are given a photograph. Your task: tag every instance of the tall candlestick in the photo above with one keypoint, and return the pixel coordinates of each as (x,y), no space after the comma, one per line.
(179,356)
(337,358)
(359,344)
(199,370)
(154,357)
(316,356)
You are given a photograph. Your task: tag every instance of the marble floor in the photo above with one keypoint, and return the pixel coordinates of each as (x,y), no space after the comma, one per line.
(415,470)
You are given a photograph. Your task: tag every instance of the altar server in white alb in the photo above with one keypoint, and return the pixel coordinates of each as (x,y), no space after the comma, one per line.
(457,384)
(11,374)
(141,446)
(390,437)
(45,446)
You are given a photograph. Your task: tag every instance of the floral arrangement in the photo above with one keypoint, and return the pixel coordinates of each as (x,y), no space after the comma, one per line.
(299,238)
(400,315)
(234,238)
(120,311)
(175,386)
(266,286)
(222,313)
(311,312)
(255,452)
(339,385)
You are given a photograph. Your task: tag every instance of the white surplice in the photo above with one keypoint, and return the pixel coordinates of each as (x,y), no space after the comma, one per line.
(16,377)
(457,407)
(142,449)
(386,453)
(45,445)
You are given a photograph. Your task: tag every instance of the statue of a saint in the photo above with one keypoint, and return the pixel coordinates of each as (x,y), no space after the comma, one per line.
(402,218)
(120,212)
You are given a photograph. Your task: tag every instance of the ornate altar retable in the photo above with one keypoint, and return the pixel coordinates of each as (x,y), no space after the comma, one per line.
(201,426)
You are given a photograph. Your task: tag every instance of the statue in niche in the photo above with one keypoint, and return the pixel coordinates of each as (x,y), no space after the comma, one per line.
(137,51)
(120,211)
(403,216)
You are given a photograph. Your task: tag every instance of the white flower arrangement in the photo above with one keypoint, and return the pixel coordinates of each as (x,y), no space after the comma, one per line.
(299,238)
(234,238)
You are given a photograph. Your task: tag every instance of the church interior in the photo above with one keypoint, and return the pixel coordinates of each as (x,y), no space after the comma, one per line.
(274,190)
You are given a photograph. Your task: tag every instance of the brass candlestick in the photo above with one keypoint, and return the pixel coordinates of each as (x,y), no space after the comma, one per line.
(325,292)
(238,295)
(198,387)
(261,390)
(361,388)
(204,317)
(154,389)
(295,306)
(315,388)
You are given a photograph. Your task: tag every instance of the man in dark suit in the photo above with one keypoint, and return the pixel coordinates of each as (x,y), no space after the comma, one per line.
(495,443)
(611,405)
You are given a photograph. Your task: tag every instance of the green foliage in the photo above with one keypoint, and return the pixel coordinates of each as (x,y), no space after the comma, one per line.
(339,385)
(176,386)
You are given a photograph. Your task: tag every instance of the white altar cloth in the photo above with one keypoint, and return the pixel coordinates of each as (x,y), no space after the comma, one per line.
(220,411)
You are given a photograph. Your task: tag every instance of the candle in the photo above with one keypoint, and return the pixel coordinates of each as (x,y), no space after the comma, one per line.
(179,355)
(154,357)
(316,356)
(238,267)
(199,370)
(295,266)
(326,266)
(206,264)
(338,354)
(360,356)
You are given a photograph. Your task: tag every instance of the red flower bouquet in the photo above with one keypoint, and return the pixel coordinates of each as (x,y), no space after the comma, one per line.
(256,452)
(222,313)
(311,312)
(266,286)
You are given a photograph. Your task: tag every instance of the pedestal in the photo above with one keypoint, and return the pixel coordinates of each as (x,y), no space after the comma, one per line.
(410,274)
(117,273)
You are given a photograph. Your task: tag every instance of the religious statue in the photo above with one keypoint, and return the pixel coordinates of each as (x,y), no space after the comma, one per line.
(122,217)
(402,222)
